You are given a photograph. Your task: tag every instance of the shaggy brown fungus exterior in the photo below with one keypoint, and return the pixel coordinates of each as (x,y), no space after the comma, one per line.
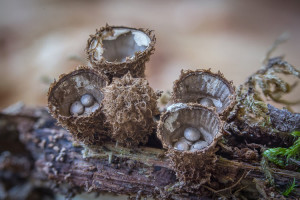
(205,88)
(129,105)
(190,133)
(75,101)
(115,50)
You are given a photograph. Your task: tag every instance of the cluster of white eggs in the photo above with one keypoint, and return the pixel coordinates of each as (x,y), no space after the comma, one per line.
(85,106)
(208,102)
(192,140)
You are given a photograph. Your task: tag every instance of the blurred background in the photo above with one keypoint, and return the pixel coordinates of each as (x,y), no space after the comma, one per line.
(40,39)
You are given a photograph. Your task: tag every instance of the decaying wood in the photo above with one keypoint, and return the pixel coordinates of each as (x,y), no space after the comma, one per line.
(145,171)
(283,120)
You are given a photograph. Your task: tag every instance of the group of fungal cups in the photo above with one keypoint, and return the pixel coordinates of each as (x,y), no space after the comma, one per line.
(194,122)
(191,127)
(85,106)
(95,102)
(117,56)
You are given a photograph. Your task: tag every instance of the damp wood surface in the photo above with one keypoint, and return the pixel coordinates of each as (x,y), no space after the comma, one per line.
(142,171)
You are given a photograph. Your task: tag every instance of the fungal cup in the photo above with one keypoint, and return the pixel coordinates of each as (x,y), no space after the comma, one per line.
(190,133)
(116,50)
(85,121)
(188,123)
(205,88)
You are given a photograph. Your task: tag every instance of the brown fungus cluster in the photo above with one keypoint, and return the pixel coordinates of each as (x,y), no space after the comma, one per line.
(129,105)
(76,100)
(115,50)
(190,133)
(66,102)
(123,110)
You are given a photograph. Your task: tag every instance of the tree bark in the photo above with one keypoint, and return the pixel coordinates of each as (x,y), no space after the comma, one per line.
(144,171)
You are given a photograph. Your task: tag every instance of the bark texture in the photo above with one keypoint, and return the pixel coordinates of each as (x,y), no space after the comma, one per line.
(144,171)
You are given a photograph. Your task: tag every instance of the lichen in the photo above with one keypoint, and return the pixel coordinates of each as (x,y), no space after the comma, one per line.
(252,109)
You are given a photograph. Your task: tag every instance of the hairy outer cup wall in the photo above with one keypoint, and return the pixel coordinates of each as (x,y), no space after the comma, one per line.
(129,106)
(127,54)
(89,129)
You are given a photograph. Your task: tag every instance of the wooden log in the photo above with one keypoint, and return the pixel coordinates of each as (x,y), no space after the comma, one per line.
(144,171)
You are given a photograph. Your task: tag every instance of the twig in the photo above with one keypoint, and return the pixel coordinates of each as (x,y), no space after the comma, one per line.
(230,187)
(281,39)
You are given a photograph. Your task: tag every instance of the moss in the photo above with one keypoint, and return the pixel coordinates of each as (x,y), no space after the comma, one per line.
(281,156)
(290,188)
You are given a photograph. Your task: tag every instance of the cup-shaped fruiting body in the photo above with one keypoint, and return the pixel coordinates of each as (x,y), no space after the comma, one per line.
(190,133)
(75,101)
(115,50)
(129,105)
(205,88)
